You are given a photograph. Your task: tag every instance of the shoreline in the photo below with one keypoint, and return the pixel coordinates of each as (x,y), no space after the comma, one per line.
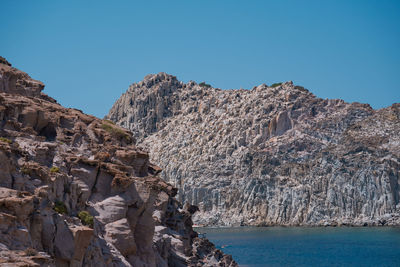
(295,226)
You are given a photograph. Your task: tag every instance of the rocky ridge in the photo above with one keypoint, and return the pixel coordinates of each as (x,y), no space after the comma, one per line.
(273,155)
(76,191)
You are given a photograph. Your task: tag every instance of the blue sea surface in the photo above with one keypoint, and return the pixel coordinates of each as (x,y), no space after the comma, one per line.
(313,246)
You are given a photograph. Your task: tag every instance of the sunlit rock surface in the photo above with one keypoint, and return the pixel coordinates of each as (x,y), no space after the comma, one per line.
(268,156)
(56,163)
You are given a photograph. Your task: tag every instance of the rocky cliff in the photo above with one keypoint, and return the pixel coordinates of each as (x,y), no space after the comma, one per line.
(273,155)
(76,191)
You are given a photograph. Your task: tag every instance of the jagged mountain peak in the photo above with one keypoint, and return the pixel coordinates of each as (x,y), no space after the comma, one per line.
(158,77)
(275,154)
(155,80)
(146,105)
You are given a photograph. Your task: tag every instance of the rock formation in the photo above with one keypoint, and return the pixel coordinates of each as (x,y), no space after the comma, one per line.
(273,155)
(76,191)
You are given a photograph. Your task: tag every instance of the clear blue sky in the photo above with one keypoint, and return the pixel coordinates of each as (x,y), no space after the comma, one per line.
(88,52)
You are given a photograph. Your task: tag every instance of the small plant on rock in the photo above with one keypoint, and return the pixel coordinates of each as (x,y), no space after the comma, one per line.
(86,218)
(60,207)
(110,122)
(275,85)
(108,127)
(203,84)
(114,130)
(54,169)
(5,140)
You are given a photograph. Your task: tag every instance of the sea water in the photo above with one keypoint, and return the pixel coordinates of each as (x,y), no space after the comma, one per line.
(313,246)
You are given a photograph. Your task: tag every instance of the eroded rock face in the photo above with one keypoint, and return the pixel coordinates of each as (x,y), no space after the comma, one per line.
(270,155)
(14,81)
(56,163)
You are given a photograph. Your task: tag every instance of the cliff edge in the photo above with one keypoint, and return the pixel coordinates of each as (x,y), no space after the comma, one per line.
(76,191)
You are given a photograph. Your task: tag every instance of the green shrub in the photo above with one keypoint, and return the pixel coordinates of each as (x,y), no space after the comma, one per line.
(54,169)
(114,130)
(106,126)
(86,218)
(275,85)
(203,84)
(60,207)
(5,140)
(110,122)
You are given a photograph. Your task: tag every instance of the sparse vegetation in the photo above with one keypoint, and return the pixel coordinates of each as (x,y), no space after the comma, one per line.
(301,88)
(110,122)
(30,252)
(5,140)
(114,130)
(275,85)
(203,84)
(54,169)
(86,218)
(106,126)
(60,207)
(25,170)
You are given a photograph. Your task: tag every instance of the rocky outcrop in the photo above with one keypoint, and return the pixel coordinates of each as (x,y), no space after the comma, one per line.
(76,191)
(14,81)
(268,156)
